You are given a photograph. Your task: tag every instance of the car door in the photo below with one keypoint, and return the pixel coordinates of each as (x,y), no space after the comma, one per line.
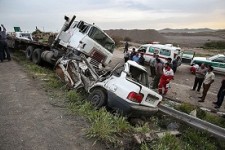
(219,64)
(222,64)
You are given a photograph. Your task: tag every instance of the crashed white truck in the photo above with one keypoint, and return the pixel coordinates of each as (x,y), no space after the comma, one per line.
(80,53)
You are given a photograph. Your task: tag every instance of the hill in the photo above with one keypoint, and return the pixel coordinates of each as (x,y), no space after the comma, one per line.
(185,30)
(139,36)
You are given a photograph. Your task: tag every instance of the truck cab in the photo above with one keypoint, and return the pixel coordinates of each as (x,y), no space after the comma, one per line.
(87,39)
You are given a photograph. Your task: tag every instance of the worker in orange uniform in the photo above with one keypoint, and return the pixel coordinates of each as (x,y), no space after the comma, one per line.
(165,79)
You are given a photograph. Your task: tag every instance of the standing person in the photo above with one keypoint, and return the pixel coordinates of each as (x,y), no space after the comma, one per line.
(158,73)
(126,56)
(175,64)
(1,49)
(199,77)
(3,39)
(136,58)
(152,64)
(220,95)
(169,60)
(133,53)
(209,79)
(141,59)
(165,79)
(126,46)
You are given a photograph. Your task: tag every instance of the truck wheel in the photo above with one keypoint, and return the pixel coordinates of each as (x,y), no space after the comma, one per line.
(97,98)
(29,52)
(36,56)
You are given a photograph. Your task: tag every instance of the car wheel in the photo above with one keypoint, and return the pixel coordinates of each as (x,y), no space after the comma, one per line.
(36,56)
(29,52)
(97,98)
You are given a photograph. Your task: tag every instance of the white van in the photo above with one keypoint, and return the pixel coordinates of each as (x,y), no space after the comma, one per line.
(164,51)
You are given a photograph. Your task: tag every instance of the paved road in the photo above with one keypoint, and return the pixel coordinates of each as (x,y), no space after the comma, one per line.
(28,120)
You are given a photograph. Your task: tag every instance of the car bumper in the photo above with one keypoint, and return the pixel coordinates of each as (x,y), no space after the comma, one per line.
(129,109)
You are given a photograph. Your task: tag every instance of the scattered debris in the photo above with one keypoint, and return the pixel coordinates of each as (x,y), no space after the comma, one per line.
(148,137)
(173,126)
(193,113)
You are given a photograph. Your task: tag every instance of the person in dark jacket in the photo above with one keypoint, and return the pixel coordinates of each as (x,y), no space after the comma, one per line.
(141,59)
(133,53)
(126,46)
(1,49)
(158,73)
(152,63)
(5,45)
(220,95)
(175,63)
(169,61)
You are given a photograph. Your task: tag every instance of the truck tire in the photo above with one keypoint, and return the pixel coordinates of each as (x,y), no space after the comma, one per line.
(29,52)
(98,98)
(36,56)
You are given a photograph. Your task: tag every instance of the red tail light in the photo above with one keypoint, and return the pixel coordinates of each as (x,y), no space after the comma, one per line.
(135,97)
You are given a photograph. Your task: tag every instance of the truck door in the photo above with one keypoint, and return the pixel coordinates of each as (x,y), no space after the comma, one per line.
(76,37)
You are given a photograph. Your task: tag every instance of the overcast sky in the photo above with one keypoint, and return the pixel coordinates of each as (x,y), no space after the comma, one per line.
(114,14)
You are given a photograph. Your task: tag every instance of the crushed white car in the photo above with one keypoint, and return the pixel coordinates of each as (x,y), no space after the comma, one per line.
(126,90)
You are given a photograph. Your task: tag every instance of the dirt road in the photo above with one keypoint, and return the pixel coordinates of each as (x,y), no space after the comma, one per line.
(182,83)
(29,121)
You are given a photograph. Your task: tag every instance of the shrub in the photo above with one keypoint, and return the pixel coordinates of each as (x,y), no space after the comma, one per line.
(214,45)
(168,142)
(117,40)
(185,107)
(127,39)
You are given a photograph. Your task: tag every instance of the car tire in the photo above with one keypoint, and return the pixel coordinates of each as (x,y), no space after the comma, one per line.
(29,52)
(98,98)
(36,56)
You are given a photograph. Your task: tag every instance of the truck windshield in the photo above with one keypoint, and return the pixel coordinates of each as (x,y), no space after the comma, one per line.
(102,38)
(139,76)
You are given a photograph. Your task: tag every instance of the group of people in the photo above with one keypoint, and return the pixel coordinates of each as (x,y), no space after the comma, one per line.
(133,55)
(162,73)
(4,51)
(204,75)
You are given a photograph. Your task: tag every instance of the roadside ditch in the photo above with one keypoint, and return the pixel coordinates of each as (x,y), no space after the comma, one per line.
(156,132)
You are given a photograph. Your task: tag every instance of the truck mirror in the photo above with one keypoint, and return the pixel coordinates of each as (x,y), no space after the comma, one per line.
(66,18)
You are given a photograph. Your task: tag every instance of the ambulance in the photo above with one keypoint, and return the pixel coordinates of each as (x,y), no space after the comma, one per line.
(164,51)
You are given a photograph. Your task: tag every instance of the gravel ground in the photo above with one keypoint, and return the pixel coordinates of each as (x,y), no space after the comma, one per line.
(181,85)
(29,121)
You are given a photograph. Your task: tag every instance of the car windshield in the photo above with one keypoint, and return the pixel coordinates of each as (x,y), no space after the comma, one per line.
(138,75)
(213,57)
(102,38)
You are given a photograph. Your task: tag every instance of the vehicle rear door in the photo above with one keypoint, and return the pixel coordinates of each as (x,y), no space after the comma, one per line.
(219,64)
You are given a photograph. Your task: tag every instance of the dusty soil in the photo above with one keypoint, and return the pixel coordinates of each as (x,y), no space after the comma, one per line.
(29,118)
(181,85)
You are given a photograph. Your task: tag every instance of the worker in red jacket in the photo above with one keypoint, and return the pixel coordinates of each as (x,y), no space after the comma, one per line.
(165,79)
